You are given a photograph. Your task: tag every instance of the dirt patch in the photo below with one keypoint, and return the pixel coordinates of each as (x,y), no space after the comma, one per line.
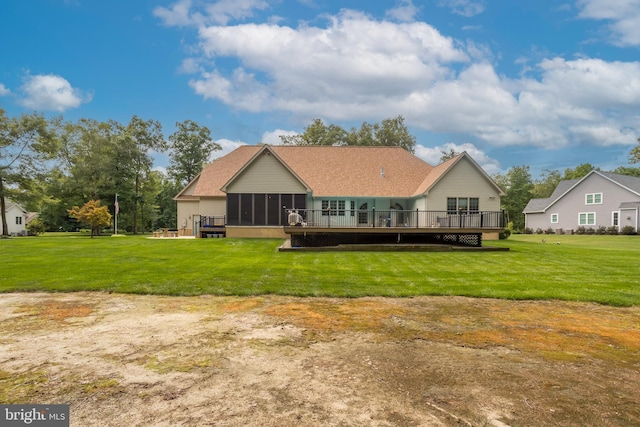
(224,361)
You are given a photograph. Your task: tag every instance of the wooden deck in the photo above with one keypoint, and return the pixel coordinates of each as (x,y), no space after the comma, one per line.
(317,228)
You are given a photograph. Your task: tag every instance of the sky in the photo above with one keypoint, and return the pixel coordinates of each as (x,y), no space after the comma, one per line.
(548,84)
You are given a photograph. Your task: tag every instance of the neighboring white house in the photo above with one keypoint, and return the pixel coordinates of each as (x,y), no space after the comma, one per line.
(253,185)
(600,199)
(17,218)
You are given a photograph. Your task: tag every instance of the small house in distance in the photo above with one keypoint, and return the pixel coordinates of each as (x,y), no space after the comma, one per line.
(322,195)
(600,199)
(17,219)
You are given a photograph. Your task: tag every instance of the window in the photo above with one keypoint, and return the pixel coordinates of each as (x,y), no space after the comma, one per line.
(615,218)
(463,204)
(554,218)
(452,205)
(593,199)
(18,220)
(363,215)
(333,207)
(474,204)
(587,218)
(329,207)
(353,208)
(261,209)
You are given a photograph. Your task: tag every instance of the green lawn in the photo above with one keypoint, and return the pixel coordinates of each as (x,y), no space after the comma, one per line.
(603,269)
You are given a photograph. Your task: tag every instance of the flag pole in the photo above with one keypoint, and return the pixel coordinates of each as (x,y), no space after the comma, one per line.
(117,209)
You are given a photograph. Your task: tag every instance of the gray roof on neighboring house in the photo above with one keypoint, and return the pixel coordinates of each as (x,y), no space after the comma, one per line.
(631,182)
(540,205)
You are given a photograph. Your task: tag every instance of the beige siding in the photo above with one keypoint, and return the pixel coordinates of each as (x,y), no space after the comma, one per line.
(186,211)
(189,189)
(464,180)
(256,232)
(213,206)
(266,175)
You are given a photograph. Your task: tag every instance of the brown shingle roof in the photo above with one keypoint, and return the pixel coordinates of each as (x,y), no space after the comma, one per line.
(334,171)
(436,173)
(356,171)
(216,174)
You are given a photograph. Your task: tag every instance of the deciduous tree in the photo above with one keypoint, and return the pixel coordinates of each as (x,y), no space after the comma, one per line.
(517,185)
(92,214)
(580,171)
(87,156)
(317,133)
(448,155)
(546,184)
(191,148)
(390,132)
(134,144)
(634,154)
(24,142)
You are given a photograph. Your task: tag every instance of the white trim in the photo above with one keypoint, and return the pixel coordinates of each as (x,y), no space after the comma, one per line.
(593,199)
(587,218)
(551,202)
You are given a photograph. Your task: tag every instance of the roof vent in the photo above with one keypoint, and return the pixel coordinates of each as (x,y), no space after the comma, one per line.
(381,172)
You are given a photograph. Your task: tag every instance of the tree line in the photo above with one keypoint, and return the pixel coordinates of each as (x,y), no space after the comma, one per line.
(51,165)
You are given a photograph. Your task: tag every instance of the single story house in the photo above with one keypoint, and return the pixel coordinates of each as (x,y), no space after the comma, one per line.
(600,199)
(17,219)
(254,190)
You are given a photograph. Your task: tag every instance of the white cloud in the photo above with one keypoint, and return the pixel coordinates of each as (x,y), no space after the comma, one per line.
(178,15)
(227,147)
(161,169)
(4,91)
(432,155)
(329,69)
(182,13)
(405,11)
(467,8)
(191,66)
(273,137)
(51,93)
(623,15)
(356,68)
(222,11)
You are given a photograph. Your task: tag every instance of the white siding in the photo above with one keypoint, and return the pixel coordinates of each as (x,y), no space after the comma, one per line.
(266,175)
(12,213)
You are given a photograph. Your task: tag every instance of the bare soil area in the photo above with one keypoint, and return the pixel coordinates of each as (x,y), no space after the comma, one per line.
(126,360)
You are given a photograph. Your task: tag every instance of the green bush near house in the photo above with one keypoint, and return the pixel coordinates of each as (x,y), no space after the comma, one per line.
(598,268)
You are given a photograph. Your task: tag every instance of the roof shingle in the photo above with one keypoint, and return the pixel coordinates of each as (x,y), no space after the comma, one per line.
(331,171)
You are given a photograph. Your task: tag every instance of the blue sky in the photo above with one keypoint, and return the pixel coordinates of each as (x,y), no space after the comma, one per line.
(542,83)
